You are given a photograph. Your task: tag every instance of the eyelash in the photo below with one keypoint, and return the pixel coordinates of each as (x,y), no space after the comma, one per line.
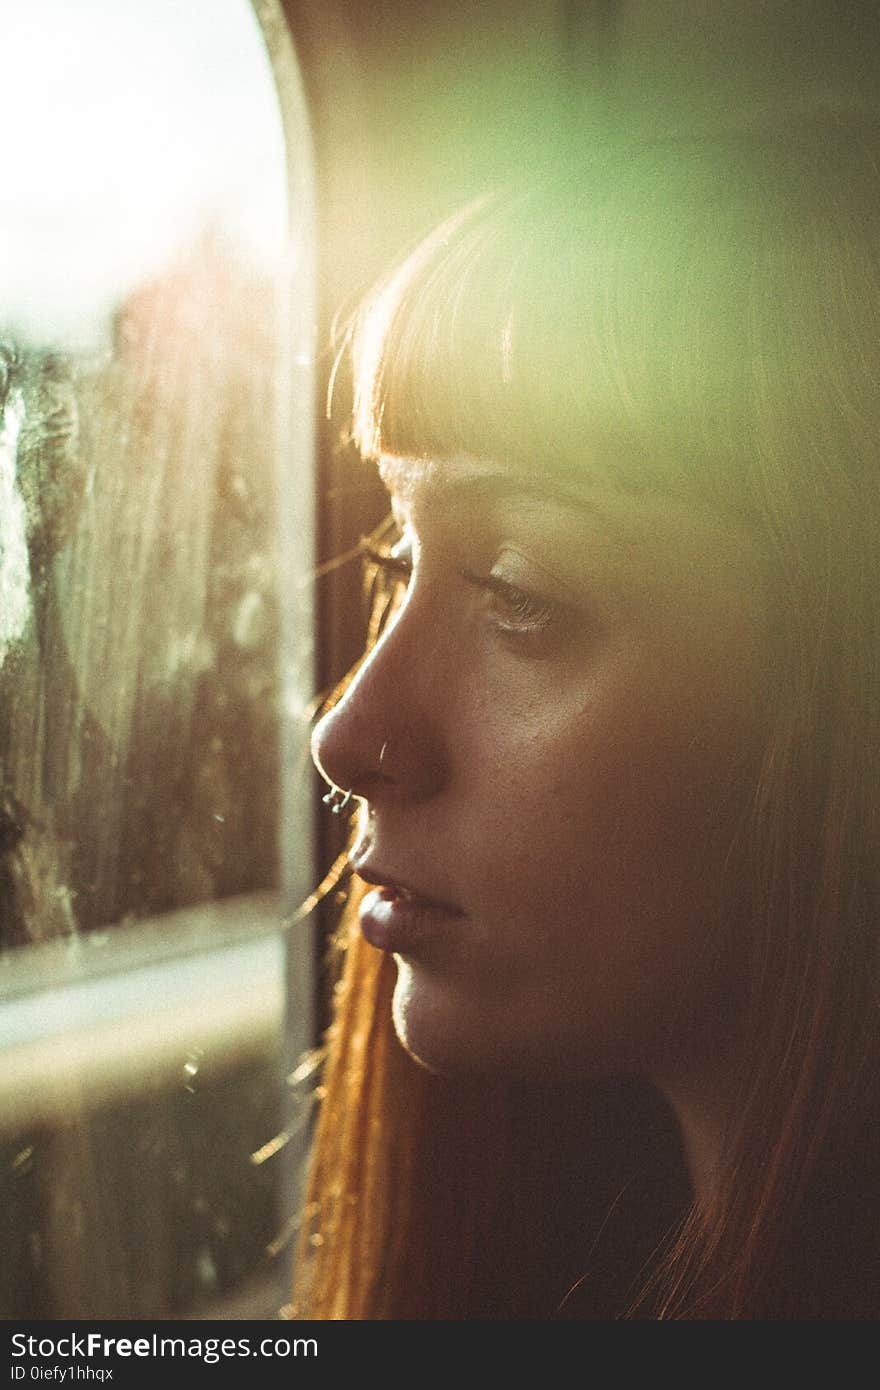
(528,614)
(390,565)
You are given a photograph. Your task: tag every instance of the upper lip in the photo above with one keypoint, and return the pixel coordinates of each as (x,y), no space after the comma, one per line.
(382,879)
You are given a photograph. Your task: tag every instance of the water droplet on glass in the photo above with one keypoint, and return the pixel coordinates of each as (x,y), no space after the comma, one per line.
(22,1159)
(191,1069)
(207,1269)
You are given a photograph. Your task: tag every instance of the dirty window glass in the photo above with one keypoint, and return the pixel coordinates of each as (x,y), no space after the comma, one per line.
(155,535)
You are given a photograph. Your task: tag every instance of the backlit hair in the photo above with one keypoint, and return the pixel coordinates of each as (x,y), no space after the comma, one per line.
(701,318)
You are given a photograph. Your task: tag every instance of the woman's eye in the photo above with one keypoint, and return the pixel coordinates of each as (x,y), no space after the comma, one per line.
(387,573)
(517,613)
(514,611)
(393,563)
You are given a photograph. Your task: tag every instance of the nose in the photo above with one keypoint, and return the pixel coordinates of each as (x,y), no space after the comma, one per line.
(383,739)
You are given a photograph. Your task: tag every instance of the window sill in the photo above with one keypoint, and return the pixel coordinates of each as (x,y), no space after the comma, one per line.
(166,1001)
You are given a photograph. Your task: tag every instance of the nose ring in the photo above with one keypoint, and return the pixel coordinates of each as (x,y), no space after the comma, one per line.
(337,800)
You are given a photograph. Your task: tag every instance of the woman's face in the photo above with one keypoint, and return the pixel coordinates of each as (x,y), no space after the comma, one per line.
(555,742)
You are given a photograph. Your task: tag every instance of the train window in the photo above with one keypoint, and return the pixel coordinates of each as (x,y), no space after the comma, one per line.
(156,291)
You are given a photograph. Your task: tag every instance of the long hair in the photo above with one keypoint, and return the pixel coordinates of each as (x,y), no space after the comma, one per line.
(698,318)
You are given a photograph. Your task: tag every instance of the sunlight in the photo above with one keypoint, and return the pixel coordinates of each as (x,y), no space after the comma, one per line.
(125,147)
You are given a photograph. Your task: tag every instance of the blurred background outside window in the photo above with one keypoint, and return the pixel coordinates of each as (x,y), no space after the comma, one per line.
(156,485)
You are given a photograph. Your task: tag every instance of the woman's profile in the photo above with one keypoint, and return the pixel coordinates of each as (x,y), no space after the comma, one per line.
(606,1032)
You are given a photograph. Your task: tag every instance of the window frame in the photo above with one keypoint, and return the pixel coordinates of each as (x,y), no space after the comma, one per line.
(84,1020)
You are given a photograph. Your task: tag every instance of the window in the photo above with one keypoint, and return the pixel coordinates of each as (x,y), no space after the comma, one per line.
(156,311)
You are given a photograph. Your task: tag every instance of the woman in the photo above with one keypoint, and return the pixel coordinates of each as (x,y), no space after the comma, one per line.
(614,754)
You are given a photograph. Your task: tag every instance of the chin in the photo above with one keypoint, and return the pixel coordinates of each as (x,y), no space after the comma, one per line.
(439,1032)
(453,1034)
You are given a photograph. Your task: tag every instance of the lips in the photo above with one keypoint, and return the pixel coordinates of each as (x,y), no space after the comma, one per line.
(395,917)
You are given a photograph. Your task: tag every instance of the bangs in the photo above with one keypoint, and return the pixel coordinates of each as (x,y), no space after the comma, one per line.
(650,320)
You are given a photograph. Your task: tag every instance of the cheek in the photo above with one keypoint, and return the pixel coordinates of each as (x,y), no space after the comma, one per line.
(593,821)
(604,881)
(630,774)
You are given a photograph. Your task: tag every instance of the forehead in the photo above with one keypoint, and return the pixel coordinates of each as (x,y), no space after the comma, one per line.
(463,480)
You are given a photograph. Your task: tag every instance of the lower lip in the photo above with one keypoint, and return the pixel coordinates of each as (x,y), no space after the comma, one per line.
(397,924)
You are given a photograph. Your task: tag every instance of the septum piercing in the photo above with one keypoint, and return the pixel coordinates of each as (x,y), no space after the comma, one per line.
(332,799)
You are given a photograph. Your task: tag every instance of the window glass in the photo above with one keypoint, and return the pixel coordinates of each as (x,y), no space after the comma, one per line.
(155,636)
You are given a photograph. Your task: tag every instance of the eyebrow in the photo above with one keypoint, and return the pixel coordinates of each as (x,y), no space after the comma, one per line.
(447,485)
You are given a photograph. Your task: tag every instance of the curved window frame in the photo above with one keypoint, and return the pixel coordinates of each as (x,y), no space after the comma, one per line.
(229,979)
